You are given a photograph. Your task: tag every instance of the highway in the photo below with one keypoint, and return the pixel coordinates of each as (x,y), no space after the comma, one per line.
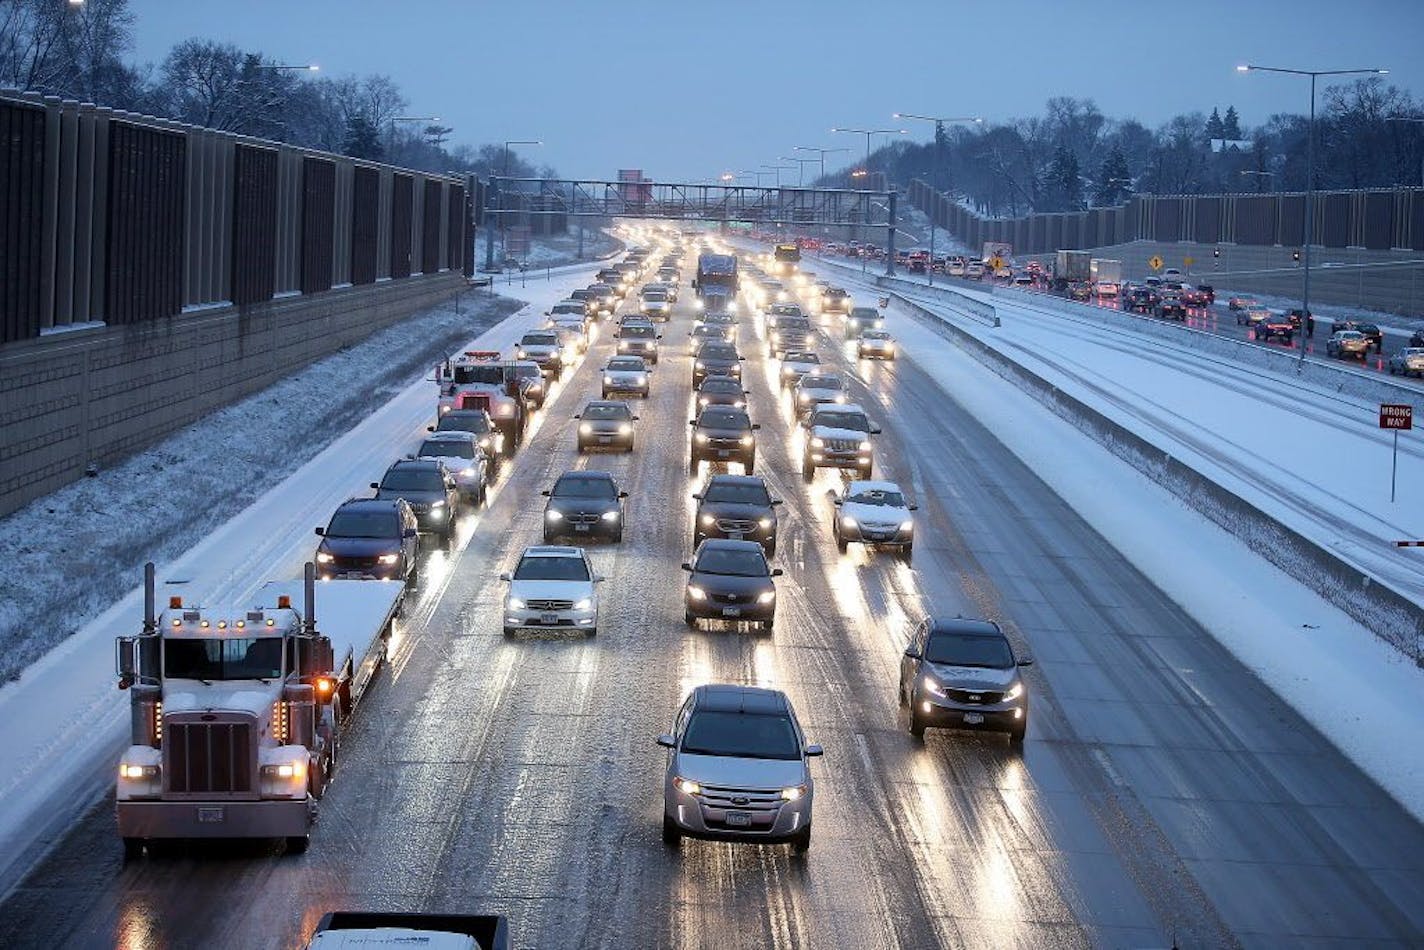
(1163,794)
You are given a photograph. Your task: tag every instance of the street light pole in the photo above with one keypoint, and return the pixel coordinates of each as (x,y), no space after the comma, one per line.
(801,164)
(939,124)
(823,152)
(868,133)
(1314,74)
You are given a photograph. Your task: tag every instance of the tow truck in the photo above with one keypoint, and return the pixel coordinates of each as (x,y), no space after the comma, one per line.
(236,713)
(342,929)
(483,379)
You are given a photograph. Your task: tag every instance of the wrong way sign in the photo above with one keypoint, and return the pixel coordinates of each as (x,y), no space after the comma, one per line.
(1397,416)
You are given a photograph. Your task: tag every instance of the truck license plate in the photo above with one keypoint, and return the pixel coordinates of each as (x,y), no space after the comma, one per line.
(210,815)
(549,620)
(973,719)
(739,819)
(731,611)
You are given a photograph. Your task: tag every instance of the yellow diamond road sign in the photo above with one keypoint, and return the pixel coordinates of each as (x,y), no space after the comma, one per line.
(1155,263)
(1189,261)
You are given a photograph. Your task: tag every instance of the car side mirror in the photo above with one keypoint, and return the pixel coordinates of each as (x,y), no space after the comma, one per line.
(838,502)
(409,533)
(622,494)
(776,572)
(504,576)
(914,507)
(545,493)
(429,428)
(376,485)
(698,496)
(686,566)
(814,750)
(320,532)
(874,430)
(756,425)
(778,501)
(1026,661)
(667,741)
(912,653)
(578,415)
(692,422)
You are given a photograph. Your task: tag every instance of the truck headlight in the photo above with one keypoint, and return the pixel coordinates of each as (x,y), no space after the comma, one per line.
(793,793)
(388,558)
(865,445)
(138,773)
(436,505)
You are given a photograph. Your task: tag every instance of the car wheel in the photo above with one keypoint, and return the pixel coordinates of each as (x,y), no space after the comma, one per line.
(133,849)
(900,693)
(749,466)
(907,550)
(770,550)
(672,835)
(802,842)
(297,844)
(841,542)
(690,620)
(768,623)
(692,466)
(1016,737)
(808,471)
(593,631)
(580,447)
(618,536)
(549,538)
(509,631)
(917,725)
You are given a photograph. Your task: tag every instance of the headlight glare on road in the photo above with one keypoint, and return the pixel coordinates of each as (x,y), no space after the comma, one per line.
(793,793)
(695,592)
(687,786)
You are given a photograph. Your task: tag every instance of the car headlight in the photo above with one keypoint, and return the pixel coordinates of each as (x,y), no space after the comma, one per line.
(608,380)
(793,793)
(766,596)
(695,592)
(747,440)
(435,505)
(444,409)
(865,445)
(701,438)
(787,370)
(388,558)
(817,442)
(764,523)
(708,521)
(804,397)
(1014,692)
(687,786)
(907,526)
(932,685)
(610,516)
(514,603)
(323,558)
(469,471)
(553,515)
(485,442)
(702,401)
(519,354)
(585,429)
(625,428)
(849,522)
(584,604)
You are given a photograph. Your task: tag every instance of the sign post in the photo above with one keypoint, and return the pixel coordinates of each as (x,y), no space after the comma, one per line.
(1397,417)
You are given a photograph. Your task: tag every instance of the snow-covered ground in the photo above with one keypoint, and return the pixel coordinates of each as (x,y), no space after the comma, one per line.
(557,250)
(65,720)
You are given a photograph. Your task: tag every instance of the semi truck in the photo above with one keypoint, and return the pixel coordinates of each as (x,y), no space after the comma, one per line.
(716,271)
(1107,276)
(340,930)
(483,379)
(1072,267)
(236,713)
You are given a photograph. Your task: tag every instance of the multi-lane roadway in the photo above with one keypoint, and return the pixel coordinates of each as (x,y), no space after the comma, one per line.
(1163,794)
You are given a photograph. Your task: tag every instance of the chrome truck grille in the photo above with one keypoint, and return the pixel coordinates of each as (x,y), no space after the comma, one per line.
(210,756)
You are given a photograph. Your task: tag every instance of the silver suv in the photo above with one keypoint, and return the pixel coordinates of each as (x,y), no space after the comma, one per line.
(738,769)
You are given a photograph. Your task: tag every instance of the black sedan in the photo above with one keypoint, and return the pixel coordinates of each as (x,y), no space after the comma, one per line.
(427,486)
(736,507)
(715,359)
(721,391)
(730,580)
(584,504)
(722,434)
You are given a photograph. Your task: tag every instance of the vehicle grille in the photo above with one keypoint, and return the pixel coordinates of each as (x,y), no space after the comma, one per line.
(582,517)
(353,563)
(974,697)
(735,524)
(842,445)
(552,605)
(730,598)
(762,803)
(203,759)
(878,526)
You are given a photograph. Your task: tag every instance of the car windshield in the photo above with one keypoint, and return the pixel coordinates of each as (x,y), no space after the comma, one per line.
(969,649)
(875,335)
(733,562)
(1413,351)
(363,524)
(538,339)
(717,351)
(574,308)
(721,384)
(724,419)
(551,569)
(437,448)
(738,493)
(660,295)
(412,479)
(1350,335)
(719,319)
(244,658)
(584,486)
(876,496)
(794,323)
(843,420)
(633,332)
(822,382)
(799,357)
(627,364)
(746,736)
(605,411)
(476,422)
(864,313)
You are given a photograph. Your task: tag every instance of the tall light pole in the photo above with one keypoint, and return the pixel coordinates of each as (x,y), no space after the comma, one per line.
(1419,121)
(939,123)
(778,169)
(823,153)
(868,133)
(1314,74)
(801,164)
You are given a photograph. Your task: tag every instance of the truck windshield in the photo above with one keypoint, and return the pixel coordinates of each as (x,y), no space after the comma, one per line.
(713,732)
(249,658)
(488,375)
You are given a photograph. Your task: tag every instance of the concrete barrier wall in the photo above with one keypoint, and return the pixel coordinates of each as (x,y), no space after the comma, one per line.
(1393,617)
(92,396)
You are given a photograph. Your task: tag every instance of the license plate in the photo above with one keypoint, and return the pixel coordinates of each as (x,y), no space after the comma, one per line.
(580,527)
(722,453)
(605,439)
(549,620)
(211,815)
(739,819)
(973,719)
(735,535)
(731,611)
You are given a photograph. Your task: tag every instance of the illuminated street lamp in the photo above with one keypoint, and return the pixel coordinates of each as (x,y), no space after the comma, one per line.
(1314,74)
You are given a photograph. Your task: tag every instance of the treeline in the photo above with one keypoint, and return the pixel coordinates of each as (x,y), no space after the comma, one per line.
(83,51)
(1072,156)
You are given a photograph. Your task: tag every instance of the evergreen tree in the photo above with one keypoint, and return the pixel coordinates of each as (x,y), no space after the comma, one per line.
(1231,124)
(363,140)
(1215,128)
(1064,190)
(1113,183)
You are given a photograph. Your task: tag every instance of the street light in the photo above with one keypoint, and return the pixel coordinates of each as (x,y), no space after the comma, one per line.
(939,124)
(778,169)
(801,164)
(1314,74)
(753,171)
(299,67)
(1411,119)
(823,153)
(868,133)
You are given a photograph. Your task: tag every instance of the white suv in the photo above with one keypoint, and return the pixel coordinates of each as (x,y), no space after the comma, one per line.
(738,769)
(552,589)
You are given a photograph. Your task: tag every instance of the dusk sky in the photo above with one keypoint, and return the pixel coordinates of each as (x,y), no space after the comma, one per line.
(688,90)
